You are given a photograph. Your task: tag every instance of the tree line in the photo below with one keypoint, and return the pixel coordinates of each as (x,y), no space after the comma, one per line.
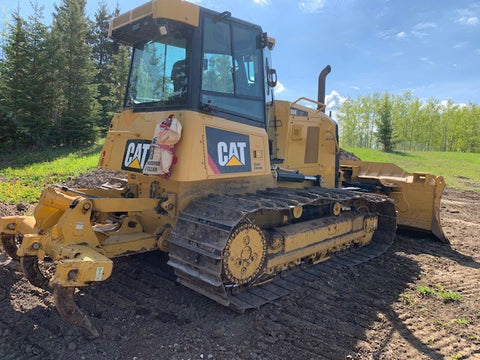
(404,122)
(59,83)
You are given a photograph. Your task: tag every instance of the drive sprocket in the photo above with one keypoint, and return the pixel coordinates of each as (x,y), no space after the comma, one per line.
(244,254)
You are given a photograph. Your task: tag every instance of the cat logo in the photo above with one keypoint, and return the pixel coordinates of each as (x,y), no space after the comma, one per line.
(136,155)
(231,154)
(228,152)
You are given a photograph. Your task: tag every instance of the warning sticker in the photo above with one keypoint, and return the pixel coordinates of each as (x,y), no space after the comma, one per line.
(99,274)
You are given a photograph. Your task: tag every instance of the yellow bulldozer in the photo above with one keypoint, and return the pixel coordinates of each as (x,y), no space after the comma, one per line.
(240,189)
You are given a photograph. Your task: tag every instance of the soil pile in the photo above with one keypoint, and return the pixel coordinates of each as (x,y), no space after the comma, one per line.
(345,155)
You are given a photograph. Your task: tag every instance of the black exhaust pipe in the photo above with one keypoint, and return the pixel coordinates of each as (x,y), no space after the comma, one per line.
(321,85)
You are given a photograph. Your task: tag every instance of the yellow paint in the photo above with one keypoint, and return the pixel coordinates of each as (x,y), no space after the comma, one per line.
(416,196)
(178,10)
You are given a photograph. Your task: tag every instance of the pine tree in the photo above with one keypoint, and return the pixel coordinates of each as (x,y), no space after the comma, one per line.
(103,52)
(118,80)
(38,82)
(384,133)
(77,103)
(12,83)
(3,34)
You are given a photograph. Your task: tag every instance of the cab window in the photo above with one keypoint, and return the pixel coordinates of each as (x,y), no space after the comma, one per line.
(232,75)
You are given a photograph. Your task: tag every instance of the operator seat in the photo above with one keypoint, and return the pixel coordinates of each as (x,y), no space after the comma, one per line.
(179,77)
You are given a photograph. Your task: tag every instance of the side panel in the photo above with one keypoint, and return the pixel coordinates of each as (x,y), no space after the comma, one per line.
(210,147)
(305,140)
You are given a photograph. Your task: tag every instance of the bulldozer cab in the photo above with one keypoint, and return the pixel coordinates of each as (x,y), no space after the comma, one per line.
(215,64)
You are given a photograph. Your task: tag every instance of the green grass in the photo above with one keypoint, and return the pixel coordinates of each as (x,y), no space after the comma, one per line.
(450,296)
(442,323)
(463,321)
(407,299)
(425,290)
(24,175)
(460,170)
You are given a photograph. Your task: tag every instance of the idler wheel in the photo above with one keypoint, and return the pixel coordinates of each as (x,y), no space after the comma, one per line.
(244,254)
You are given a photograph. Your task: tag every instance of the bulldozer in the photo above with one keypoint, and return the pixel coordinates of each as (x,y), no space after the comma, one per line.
(241,190)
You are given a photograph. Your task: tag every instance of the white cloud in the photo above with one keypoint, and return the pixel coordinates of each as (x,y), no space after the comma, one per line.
(312,6)
(262,2)
(424,26)
(354,87)
(392,34)
(469,16)
(450,104)
(280,88)
(333,101)
(468,20)
(460,45)
(420,34)
(386,34)
(419,30)
(427,60)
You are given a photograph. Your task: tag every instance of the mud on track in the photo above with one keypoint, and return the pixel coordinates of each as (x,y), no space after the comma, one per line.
(373,311)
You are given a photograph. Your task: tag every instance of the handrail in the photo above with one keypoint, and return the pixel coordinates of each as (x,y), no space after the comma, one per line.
(337,146)
(321,106)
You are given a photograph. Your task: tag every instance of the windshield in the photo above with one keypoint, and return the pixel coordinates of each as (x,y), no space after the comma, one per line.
(159,72)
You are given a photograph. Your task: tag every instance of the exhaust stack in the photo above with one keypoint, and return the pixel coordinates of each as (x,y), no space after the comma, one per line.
(321,85)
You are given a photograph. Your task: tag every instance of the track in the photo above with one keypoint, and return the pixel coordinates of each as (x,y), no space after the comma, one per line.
(200,236)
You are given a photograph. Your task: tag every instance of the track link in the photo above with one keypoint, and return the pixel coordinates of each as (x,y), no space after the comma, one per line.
(203,228)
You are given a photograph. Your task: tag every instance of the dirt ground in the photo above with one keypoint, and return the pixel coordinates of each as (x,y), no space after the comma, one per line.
(373,311)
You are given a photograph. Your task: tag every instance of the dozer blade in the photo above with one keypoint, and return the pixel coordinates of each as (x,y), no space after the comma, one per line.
(416,196)
(70,312)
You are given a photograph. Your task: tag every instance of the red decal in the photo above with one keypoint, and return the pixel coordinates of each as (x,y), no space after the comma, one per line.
(212,165)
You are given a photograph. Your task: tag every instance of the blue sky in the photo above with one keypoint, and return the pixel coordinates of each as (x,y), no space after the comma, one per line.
(431,47)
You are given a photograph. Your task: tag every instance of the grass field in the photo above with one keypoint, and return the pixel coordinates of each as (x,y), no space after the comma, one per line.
(460,170)
(24,175)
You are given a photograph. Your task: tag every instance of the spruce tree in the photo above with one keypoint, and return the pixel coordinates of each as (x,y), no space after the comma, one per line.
(384,133)
(77,103)
(38,82)
(118,80)
(3,33)
(103,52)
(13,82)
